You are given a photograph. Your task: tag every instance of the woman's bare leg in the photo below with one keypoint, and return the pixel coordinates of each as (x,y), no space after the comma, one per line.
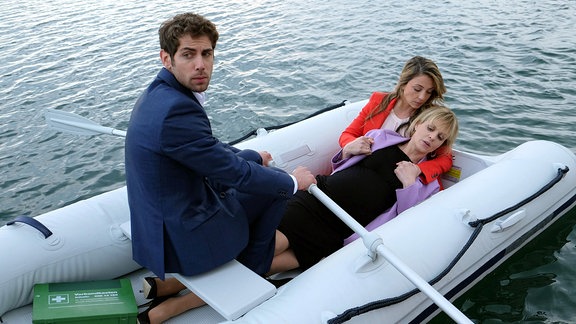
(174,306)
(170,286)
(284,258)
(281,244)
(283,262)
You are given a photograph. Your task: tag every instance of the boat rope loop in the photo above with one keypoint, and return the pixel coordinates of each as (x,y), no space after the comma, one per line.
(254,132)
(559,176)
(477,225)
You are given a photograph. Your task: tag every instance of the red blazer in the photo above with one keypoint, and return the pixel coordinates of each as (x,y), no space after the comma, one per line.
(431,169)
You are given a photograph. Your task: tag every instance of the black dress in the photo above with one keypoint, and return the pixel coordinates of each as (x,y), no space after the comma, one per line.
(364,190)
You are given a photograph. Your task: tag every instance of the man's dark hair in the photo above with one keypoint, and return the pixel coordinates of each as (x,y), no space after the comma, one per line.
(185,24)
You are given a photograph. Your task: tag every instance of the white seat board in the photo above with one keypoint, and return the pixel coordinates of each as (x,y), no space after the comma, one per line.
(231,289)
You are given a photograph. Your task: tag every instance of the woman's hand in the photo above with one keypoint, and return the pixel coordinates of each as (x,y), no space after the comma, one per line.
(407,173)
(360,146)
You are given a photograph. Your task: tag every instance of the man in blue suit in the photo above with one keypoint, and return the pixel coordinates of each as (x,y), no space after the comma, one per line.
(195,202)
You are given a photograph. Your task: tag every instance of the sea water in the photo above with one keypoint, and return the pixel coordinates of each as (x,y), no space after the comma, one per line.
(509,66)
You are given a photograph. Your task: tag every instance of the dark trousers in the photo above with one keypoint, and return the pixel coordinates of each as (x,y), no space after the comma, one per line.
(264,215)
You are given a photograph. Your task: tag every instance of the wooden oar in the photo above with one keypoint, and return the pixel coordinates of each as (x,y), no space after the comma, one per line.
(374,243)
(68,122)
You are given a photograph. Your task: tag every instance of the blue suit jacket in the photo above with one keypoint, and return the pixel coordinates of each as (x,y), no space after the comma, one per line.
(182,184)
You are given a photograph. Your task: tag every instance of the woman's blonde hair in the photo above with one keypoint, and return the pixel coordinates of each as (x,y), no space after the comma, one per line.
(438,115)
(413,68)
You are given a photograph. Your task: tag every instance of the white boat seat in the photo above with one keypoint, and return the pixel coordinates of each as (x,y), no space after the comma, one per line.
(231,289)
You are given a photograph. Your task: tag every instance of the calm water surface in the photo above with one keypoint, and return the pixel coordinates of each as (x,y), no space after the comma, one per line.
(510,69)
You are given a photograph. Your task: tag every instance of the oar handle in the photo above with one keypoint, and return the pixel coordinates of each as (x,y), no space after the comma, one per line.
(423,285)
(118,132)
(372,241)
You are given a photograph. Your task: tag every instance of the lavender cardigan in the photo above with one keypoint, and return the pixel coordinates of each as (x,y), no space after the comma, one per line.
(405,197)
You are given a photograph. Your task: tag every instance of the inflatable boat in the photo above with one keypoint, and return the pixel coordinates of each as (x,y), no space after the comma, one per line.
(490,208)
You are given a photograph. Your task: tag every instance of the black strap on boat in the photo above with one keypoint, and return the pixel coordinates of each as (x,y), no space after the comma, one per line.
(253,133)
(559,176)
(32,222)
(477,225)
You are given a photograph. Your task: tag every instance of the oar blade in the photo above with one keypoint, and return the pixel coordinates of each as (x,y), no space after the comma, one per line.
(71,123)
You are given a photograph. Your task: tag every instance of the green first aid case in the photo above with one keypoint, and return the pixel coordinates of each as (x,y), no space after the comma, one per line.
(105,301)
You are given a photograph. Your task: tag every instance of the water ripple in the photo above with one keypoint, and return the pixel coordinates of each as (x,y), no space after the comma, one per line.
(510,69)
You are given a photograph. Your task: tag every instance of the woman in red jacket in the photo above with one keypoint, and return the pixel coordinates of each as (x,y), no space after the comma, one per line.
(420,85)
